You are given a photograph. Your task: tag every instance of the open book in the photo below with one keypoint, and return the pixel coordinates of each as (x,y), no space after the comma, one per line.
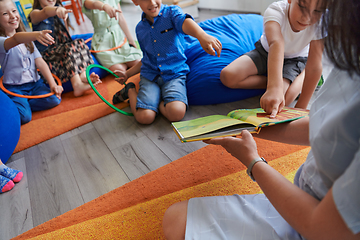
(232,125)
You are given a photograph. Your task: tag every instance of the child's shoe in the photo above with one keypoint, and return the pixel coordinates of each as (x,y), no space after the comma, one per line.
(5,184)
(12,174)
(122,95)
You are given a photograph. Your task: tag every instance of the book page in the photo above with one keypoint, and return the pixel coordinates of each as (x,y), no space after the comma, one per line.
(204,125)
(259,118)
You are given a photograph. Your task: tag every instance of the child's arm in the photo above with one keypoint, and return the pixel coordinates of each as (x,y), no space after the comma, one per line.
(207,42)
(273,99)
(37,15)
(45,71)
(123,76)
(112,12)
(313,71)
(125,28)
(25,37)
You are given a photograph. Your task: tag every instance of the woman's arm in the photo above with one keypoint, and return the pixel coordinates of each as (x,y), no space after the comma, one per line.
(313,71)
(295,132)
(45,71)
(25,37)
(312,218)
(273,99)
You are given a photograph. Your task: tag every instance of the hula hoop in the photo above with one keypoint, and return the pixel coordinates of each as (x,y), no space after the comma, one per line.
(28,96)
(96,91)
(111,49)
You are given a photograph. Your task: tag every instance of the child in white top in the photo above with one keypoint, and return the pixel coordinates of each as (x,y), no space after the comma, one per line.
(292,41)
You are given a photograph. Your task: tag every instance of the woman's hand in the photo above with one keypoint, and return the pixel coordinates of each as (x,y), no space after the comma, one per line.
(44,37)
(243,148)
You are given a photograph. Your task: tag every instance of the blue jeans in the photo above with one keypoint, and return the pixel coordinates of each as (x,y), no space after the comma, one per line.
(26,105)
(151,93)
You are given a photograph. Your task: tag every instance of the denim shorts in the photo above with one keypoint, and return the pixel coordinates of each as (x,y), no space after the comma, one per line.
(291,69)
(151,93)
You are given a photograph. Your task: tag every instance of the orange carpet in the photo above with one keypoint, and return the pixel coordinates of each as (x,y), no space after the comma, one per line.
(135,210)
(71,113)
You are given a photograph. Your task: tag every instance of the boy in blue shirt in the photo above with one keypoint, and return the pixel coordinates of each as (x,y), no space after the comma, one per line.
(163,67)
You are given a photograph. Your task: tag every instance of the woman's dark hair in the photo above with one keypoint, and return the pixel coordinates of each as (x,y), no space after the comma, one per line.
(342,23)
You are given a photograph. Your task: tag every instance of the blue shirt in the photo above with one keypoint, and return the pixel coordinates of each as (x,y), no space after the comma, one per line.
(12,64)
(162,44)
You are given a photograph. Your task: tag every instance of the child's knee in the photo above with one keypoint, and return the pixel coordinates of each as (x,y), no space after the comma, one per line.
(175,111)
(227,78)
(145,116)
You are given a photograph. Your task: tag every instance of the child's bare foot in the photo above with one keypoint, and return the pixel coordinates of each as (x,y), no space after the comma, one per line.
(80,88)
(95,79)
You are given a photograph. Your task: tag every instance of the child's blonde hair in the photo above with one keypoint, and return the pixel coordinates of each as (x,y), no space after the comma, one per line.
(21,28)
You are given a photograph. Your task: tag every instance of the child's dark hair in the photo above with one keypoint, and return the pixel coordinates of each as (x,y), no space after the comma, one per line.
(37,5)
(342,44)
(21,28)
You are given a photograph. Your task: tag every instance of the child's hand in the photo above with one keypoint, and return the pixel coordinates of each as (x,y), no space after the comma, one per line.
(272,102)
(243,148)
(122,77)
(62,12)
(209,43)
(44,37)
(57,90)
(112,12)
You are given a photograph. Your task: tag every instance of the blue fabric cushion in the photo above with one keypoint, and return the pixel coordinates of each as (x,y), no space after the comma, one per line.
(9,127)
(238,34)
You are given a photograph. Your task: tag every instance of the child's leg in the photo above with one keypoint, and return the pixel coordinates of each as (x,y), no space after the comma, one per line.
(144,105)
(144,112)
(39,104)
(12,174)
(294,89)
(80,83)
(175,99)
(242,73)
(22,104)
(173,111)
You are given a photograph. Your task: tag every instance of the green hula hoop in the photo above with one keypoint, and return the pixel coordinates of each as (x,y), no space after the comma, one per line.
(96,91)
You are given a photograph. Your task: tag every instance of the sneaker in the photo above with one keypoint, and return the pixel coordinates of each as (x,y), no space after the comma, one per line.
(122,95)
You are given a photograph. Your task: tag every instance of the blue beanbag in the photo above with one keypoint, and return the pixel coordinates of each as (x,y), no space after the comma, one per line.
(9,127)
(238,34)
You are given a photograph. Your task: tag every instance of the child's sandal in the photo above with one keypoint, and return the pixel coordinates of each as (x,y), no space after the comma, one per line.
(122,95)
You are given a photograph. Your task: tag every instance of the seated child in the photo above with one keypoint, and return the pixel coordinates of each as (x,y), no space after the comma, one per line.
(292,41)
(163,67)
(19,59)
(111,32)
(67,58)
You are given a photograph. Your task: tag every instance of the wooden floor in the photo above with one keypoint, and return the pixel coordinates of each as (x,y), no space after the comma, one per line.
(85,163)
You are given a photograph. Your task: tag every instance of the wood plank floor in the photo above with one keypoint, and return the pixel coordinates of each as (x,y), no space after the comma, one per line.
(87,162)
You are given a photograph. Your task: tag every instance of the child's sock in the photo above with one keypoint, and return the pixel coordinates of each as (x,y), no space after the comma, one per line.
(5,184)
(12,174)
